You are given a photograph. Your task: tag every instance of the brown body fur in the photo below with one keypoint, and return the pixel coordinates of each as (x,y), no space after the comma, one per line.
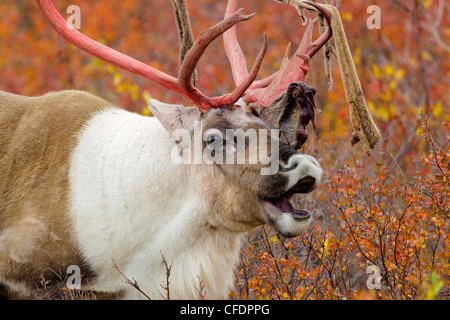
(37,135)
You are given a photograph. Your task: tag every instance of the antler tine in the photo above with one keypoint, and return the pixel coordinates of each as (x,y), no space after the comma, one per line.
(328,32)
(249,80)
(194,54)
(235,54)
(266,90)
(204,103)
(232,48)
(201,43)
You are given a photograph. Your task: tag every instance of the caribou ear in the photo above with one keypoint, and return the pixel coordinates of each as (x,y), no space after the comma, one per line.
(173,116)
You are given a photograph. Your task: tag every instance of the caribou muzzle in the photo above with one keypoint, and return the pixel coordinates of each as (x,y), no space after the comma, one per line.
(303,174)
(282,204)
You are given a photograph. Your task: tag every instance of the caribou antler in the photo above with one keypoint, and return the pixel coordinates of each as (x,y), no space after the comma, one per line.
(183,84)
(265,91)
(282,99)
(184,30)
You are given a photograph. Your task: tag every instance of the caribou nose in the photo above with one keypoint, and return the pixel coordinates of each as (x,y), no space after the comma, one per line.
(304,173)
(304,185)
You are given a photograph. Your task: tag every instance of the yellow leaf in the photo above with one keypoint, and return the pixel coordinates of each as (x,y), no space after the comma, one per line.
(389,70)
(392,109)
(357,56)
(419,131)
(300,291)
(347,16)
(146,112)
(426,56)
(376,71)
(392,85)
(437,110)
(274,239)
(371,106)
(117,78)
(399,74)
(386,96)
(434,287)
(391,266)
(134,89)
(95,61)
(426,3)
(146,95)
(383,113)
(120,88)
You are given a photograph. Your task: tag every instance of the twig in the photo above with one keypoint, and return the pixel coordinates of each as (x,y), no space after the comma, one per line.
(44,284)
(132,283)
(168,269)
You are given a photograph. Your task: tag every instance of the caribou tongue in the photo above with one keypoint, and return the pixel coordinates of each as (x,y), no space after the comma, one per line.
(283,205)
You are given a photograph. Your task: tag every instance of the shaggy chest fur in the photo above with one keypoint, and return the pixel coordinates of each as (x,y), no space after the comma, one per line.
(93,190)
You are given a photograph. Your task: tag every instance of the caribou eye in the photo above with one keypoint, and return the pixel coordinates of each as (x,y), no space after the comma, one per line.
(211,139)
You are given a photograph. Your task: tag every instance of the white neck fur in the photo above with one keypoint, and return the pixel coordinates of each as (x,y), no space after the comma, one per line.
(121,210)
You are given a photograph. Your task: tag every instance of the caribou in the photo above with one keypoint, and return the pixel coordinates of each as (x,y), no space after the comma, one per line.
(84,182)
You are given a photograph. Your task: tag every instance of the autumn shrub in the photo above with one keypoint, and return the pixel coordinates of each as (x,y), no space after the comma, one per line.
(371,224)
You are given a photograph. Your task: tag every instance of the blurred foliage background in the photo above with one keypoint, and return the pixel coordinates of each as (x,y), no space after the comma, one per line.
(399,195)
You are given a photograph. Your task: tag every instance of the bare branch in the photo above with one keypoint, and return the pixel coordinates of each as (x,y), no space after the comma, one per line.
(168,270)
(132,283)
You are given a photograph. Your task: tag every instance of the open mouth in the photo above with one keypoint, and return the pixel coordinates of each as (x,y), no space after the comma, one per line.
(282,203)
